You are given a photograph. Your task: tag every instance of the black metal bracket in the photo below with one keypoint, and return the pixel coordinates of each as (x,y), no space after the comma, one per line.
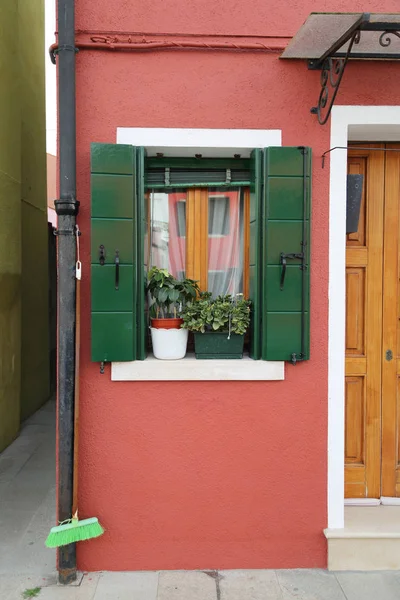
(64,47)
(57,232)
(332,71)
(384,38)
(333,63)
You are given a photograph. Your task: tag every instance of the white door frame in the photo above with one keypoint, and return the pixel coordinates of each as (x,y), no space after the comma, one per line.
(369,123)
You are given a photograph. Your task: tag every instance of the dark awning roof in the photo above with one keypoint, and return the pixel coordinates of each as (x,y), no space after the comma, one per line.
(327,41)
(328,35)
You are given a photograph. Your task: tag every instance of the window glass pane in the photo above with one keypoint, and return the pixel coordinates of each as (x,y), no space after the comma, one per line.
(168,231)
(218,214)
(181,217)
(225,241)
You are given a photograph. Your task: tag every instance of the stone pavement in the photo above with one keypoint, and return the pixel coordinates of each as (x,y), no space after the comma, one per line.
(27,508)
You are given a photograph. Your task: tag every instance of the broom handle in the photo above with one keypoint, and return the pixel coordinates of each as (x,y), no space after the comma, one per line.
(76,396)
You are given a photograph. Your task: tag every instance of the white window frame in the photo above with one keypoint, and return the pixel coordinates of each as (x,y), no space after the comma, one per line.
(186,143)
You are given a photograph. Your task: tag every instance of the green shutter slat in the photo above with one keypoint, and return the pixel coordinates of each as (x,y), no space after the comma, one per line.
(112,158)
(142,254)
(112,336)
(112,196)
(286,229)
(113,225)
(255,252)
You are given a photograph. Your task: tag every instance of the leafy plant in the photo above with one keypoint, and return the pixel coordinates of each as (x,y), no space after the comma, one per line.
(223,313)
(31,593)
(168,294)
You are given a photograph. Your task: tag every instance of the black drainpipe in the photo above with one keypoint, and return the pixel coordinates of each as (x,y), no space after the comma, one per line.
(67,209)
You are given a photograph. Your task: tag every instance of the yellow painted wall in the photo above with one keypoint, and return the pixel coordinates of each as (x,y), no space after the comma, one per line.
(35,314)
(23,220)
(10,226)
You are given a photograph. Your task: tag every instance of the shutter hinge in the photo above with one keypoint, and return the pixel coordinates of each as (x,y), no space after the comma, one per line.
(296,358)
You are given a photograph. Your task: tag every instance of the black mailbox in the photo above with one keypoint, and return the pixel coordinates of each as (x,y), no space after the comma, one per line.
(353,202)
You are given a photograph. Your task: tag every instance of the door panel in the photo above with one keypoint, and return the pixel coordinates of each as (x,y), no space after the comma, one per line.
(364,259)
(355,310)
(355,414)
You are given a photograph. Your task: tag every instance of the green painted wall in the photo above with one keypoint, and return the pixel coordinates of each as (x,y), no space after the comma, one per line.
(23,221)
(35,311)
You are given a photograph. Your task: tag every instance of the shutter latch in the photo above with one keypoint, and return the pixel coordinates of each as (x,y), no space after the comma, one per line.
(117,269)
(102,254)
(284,258)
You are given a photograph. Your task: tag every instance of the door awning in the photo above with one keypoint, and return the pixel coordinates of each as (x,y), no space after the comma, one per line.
(327,41)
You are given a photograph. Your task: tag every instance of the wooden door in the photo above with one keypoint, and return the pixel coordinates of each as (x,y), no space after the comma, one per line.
(364,264)
(390,328)
(372,440)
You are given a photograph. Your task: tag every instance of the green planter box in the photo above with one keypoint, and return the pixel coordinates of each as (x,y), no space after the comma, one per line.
(214,344)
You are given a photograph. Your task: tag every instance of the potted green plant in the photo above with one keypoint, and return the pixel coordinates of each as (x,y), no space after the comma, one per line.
(218,325)
(168,296)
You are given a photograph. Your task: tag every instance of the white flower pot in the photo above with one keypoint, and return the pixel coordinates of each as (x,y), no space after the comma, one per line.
(169,344)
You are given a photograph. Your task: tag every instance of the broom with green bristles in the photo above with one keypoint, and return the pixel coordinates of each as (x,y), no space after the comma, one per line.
(73,530)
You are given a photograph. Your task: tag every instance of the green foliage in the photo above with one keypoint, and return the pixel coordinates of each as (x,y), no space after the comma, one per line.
(168,294)
(31,593)
(225,313)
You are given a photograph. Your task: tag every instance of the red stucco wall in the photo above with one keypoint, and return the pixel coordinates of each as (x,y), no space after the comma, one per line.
(214,474)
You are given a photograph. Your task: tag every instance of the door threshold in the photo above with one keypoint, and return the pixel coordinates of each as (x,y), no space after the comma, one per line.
(362,501)
(385,500)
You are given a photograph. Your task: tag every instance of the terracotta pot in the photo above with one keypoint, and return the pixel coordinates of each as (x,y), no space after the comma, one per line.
(166,323)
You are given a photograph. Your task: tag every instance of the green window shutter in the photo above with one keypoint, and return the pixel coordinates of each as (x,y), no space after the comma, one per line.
(142,256)
(113,227)
(285,293)
(255,252)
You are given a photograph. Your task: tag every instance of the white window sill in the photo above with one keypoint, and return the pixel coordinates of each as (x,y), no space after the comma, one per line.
(191,369)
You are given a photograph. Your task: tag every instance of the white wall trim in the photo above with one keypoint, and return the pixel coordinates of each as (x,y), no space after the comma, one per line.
(369,123)
(208,142)
(190,369)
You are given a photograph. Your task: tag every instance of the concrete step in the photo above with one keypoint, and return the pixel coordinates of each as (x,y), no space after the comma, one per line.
(369,541)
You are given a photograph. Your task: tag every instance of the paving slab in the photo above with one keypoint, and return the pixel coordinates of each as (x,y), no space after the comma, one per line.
(13,586)
(370,585)
(85,591)
(249,585)
(12,462)
(310,584)
(186,585)
(28,553)
(127,586)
